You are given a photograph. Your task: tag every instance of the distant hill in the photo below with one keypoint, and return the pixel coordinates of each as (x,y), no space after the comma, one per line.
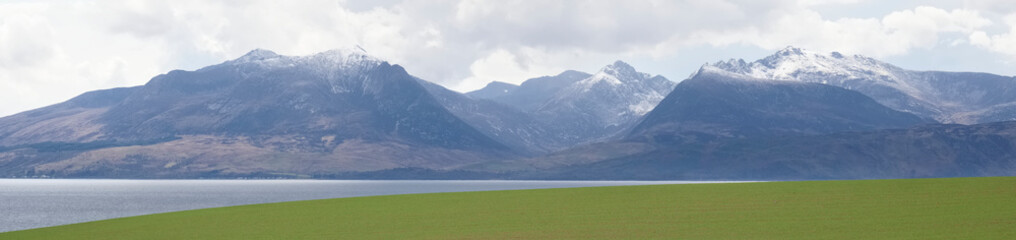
(532,93)
(494,90)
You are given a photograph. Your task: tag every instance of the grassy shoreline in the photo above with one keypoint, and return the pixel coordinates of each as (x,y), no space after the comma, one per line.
(944,208)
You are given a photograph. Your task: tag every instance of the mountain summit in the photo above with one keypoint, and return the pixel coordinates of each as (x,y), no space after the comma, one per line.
(948,97)
(614,96)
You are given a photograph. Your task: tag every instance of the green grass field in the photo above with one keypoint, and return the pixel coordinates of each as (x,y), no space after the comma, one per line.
(955,208)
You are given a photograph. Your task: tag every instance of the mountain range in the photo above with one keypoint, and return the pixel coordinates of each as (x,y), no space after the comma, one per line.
(345,114)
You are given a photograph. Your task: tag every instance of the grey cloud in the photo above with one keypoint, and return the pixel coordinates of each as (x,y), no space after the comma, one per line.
(1002,7)
(25,42)
(144,19)
(598,25)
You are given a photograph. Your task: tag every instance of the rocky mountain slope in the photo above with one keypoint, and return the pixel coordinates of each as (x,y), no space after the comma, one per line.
(582,108)
(511,126)
(606,103)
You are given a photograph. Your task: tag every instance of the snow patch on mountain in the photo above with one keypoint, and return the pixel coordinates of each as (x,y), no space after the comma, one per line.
(615,74)
(598,78)
(646,104)
(338,66)
(327,61)
(833,68)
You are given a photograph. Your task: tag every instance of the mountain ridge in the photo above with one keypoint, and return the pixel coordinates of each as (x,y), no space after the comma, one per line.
(949,97)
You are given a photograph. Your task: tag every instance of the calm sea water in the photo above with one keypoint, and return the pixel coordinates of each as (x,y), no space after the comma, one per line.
(34,203)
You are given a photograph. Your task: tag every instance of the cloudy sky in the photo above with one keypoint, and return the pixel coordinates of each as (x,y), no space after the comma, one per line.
(51,51)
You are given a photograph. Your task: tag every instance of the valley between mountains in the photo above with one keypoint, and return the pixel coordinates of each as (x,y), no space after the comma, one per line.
(344,114)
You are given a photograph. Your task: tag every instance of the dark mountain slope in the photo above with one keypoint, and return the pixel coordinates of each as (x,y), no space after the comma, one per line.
(928,151)
(730,105)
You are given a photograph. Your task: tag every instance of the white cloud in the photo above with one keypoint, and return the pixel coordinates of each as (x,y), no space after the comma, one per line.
(894,34)
(1004,43)
(499,65)
(48,55)
(26,40)
(524,63)
(931,19)
(827,2)
(980,38)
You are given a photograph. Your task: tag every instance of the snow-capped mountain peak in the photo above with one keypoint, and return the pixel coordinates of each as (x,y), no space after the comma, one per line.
(615,74)
(708,69)
(351,58)
(600,77)
(610,100)
(834,68)
(791,50)
(619,68)
(794,63)
(344,55)
(624,72)
(342,60)
(257,54)
(944,96)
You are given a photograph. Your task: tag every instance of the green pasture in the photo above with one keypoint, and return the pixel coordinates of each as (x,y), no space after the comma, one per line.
(948,208)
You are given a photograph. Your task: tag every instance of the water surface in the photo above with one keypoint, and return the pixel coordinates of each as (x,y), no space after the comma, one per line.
(34,203)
